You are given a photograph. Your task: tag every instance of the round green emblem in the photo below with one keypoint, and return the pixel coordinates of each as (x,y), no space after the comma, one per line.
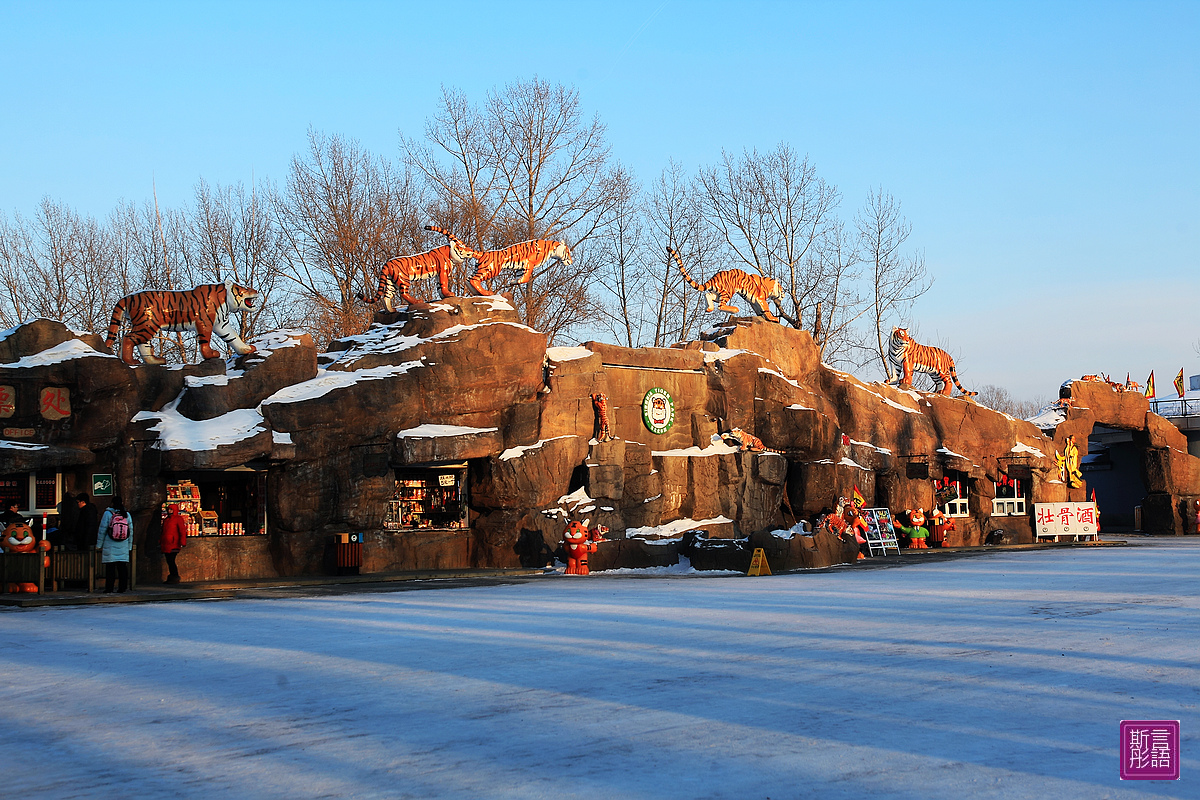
(658,410)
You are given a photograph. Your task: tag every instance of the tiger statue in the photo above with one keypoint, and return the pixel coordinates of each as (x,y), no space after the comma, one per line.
(205,309)
(526,256)
(600,405)
(756,289)
(746,442)
(906,356)
(19,538)
(399,273)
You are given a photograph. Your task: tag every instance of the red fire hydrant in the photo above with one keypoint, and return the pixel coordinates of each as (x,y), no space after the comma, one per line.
(579,542)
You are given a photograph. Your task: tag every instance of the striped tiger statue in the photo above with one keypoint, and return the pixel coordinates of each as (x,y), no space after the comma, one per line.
(746,442)
(756,289)
(398,274)
(906,357)
(600,406)
(525,256)
(205,309)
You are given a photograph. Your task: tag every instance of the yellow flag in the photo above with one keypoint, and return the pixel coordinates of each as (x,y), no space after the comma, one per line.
(1150,385)
(1179,382)
(857,497)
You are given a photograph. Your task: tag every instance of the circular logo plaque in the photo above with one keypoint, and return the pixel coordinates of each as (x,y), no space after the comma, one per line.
(658,410)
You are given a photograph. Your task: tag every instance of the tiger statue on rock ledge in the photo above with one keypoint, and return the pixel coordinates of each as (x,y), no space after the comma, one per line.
(398,274)
(525,256)
(205,309)
(907,357)
(757,289)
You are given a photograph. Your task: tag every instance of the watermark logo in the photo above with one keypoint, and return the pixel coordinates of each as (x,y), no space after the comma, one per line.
(1149,750)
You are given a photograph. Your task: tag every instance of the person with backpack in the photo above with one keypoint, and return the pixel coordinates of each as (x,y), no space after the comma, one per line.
(113,540)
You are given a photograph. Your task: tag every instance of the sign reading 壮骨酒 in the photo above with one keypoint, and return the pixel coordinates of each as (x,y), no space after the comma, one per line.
(1065,519)
(658,410)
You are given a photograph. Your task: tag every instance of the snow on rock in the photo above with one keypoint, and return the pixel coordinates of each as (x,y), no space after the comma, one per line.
(520,450)
(434,431)
(280,437)
(671,529)
(779,374)
(561,354)
(845,462)
(376,340)
(9,445)
(327,381)
(879,449)
(177,432)
(1048,417)
(192,381)
(67,351)
(798,407)
(724,354)
(946,451)
(717,447)
(1020,447)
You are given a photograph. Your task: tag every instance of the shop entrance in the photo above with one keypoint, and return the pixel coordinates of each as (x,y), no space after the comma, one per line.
(429,498)
(231,502)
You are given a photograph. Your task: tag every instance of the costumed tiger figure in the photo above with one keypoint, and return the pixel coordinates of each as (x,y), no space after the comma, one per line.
(600,405)
(399,273)
(906,356)
(526,256)
(747,442)
(757,289)
(205,310)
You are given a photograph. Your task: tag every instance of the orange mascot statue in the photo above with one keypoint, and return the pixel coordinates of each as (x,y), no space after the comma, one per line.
(18,538)
(579,542)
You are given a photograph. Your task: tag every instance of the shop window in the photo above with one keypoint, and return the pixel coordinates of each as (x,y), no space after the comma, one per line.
(950,494)
(1010,497)
(34,492)
(222,503)
(434,498)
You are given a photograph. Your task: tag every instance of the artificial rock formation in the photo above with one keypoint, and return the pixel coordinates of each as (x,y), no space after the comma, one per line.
(462,380)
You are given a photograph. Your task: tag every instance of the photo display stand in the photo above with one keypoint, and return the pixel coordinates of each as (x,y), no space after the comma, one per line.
(880,535)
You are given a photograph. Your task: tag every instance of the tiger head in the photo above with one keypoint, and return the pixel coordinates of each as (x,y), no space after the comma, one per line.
(900,340)
(562,253)
(239,298)
(774,289)
(18,538)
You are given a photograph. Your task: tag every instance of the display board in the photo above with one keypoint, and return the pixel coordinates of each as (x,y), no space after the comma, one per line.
(880,535)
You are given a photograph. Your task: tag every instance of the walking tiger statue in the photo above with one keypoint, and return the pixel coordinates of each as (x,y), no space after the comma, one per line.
(398,274)
(757,289)
(907,357)
(205,309)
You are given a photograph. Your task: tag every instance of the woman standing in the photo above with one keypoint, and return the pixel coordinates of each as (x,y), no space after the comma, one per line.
(113,540)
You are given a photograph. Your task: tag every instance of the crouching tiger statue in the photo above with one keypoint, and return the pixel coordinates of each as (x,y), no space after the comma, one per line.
(907,357)
(205,309)
(757,289)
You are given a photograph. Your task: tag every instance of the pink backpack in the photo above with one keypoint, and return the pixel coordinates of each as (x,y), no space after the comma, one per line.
(118,527)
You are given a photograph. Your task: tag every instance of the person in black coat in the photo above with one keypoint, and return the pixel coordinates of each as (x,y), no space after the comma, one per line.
(86,523)
(11,515)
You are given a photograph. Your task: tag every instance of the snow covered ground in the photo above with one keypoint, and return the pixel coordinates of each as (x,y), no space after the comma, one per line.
(997,676)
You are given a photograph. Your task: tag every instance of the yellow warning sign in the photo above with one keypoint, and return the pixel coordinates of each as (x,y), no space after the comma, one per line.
(758,563)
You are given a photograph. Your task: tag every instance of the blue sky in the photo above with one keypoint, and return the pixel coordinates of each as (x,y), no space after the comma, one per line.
(1045,153)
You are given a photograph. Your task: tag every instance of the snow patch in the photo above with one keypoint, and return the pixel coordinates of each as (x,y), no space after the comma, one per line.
(520,450)
(684,567)
(717,447)
(724,354)
(279,437)
(9,445)
(670,529)
(561,354)
(177,432)
(66,351)
(778,374)
(1020,447)
(327,381)
(948,452)
(432,430)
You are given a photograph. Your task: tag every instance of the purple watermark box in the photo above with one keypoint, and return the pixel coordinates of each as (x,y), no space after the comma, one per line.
(1150,750)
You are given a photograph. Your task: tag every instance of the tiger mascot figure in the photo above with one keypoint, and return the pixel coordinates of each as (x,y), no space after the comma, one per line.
(525,256)
(205,309)
(399,273)
(756,289)
(906,357)
(19,538)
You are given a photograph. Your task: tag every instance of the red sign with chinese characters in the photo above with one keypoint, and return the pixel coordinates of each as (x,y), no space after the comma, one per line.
(8,401)
(55,402)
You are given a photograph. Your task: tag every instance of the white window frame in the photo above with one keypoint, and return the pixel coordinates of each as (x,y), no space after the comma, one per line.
(961,507)
(32,508)
(1008,506)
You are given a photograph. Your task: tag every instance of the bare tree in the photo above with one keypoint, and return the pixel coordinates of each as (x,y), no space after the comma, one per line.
(345,212)
(895,278)
(676,220)
(558,183)
(620,251)
(772,209)
(1000,399)
(839,303)
(236,236)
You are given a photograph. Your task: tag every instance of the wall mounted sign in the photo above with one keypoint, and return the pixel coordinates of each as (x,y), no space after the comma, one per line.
(18,433)
(658,410)
(8,401)
(102,484)
(56,402)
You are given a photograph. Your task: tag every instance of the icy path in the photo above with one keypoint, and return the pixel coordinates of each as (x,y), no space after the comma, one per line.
(998,676)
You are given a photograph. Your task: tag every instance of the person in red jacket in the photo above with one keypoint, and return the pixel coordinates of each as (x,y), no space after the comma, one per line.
(174,537)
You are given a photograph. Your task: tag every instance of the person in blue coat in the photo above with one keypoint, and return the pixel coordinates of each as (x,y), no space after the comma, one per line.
(114,552)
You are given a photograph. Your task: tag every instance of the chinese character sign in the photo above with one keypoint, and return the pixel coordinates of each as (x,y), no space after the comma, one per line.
(8,401)
(56,402)
(1065,518)
(1149,750)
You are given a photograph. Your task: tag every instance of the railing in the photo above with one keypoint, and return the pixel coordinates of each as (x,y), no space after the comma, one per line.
(1180,407)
